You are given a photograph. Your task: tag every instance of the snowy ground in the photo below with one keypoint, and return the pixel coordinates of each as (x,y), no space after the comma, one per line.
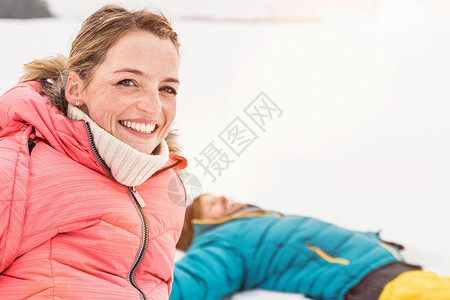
(362,139)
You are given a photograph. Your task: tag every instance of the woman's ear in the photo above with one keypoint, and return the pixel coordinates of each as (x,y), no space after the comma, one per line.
(74,88)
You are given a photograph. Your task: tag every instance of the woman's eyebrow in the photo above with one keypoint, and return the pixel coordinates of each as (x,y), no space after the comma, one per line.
(170,79)
(134,71)
(140,73)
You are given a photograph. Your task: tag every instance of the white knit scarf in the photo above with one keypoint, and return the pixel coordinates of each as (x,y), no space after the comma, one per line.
(129,166)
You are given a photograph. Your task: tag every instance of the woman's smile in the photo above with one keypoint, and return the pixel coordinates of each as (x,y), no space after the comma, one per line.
(140,127)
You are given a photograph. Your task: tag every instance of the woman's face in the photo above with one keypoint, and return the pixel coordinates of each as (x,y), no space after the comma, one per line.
(213,207)
(132,94)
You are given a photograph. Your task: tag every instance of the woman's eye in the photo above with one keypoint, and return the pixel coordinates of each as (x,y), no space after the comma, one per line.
(126,82)
(169,90)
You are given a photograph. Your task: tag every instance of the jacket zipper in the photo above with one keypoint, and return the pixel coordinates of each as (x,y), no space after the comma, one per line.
(144,242)
(91,143)
(139,204)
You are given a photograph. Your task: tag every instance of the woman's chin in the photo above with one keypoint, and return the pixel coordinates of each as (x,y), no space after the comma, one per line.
(145,143)
(149,147)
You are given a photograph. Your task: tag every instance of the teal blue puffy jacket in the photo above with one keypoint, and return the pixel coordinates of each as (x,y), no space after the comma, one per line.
(287,253)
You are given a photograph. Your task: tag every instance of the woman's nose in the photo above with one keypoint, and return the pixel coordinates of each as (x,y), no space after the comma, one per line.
(150,103)
(224,200)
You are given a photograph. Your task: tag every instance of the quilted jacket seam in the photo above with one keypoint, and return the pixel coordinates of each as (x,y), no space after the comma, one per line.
(162,233)
(161,280)
(51,266)
(13,187)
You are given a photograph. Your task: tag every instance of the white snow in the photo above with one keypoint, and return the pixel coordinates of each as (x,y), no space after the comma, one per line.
(363,138)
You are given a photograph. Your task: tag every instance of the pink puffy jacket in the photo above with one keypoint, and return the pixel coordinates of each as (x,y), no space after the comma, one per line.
(68,230)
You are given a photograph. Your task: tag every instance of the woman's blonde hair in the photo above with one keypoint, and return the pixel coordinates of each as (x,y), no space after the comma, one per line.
(193,211)
(98,33)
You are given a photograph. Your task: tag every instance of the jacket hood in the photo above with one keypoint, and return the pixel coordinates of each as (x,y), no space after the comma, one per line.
(25,105)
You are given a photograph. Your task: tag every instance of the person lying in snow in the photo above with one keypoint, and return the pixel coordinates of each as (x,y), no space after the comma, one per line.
(233,247)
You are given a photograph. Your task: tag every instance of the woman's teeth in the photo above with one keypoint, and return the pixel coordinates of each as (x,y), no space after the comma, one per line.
(139,127)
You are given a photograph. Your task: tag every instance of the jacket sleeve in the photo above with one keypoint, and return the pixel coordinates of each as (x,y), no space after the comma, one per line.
(14,171)
(208,272)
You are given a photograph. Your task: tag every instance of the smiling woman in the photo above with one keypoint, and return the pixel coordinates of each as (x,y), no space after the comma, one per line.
(85,144)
